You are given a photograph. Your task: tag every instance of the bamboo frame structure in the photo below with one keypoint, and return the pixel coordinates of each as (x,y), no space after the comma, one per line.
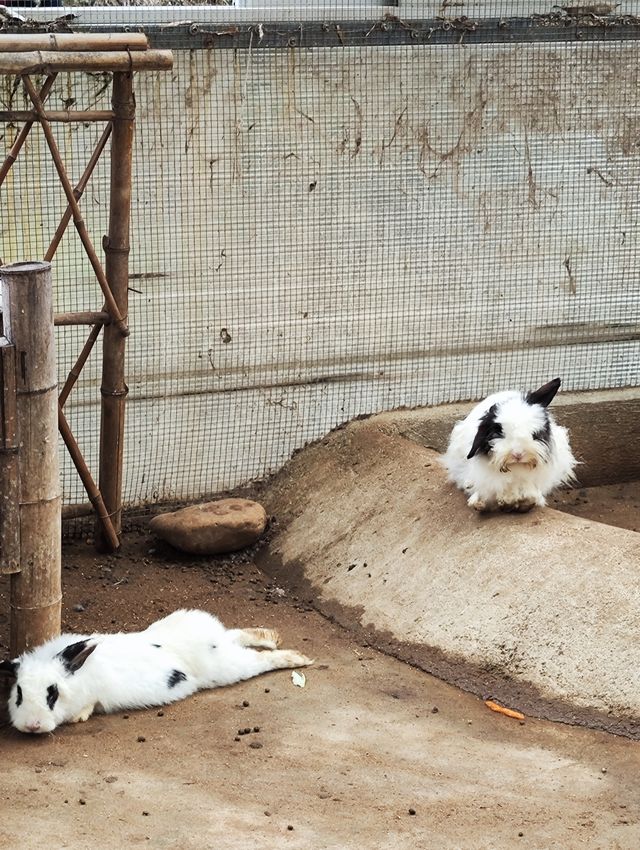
(121,53)
(9,470)
(27,301)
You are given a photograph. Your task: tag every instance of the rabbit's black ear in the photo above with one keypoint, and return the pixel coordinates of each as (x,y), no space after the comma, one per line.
(74,655)
(488,429)
(9,669)
(544,395)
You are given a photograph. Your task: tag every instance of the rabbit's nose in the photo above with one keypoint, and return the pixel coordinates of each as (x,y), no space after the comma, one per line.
(34,726)
(517,455)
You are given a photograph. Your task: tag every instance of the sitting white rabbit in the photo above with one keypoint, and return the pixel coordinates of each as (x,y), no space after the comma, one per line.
(68,678)
(508,454)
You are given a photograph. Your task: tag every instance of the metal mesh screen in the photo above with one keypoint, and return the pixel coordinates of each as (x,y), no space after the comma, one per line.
(323,232)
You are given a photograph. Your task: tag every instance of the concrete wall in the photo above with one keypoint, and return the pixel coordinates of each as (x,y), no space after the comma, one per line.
(322,234)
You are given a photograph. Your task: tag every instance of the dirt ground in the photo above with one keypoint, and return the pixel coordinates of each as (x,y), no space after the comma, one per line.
(370,754)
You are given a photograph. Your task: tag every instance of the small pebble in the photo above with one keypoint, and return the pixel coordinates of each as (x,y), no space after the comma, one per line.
(236,738)
(267,690)
(604,770)
(246,730)
(141,739)
(520,834)
(245,703)
(412,811)
(257,729)
(255,745)
(111,779)
(78,607)
(434,710)
(268,814)
(161,714)
(290,828)
(82,802)
(146,814)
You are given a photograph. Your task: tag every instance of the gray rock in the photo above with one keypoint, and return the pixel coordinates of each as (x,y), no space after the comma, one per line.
(213,527)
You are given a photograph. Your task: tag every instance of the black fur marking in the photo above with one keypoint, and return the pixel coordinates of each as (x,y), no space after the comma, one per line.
(544,434)
(175,677)
(213,646)
(544,394)
(157,645)
(74,655)
(52,696)
(488,429)
(18,696)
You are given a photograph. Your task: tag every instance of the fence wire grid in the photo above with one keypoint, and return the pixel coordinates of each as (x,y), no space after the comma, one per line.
(324,232)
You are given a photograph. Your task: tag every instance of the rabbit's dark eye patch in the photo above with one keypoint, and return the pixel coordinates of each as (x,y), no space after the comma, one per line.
(543,435)
(52,696)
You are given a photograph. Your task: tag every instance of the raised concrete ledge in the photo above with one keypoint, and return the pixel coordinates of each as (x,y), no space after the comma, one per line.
(540,610)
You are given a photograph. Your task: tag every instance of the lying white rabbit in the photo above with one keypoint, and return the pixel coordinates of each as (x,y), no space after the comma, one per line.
(71,676)
(508,453)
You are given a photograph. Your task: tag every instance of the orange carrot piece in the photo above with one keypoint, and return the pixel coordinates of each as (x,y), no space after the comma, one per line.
(494,706)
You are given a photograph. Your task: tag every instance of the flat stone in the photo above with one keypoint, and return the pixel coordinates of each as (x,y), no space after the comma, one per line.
(212,528)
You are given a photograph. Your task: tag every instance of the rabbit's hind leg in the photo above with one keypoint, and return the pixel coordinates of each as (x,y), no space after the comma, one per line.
(257,638)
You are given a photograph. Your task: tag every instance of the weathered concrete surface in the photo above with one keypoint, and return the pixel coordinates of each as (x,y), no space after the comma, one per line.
(604,426)
(540,610)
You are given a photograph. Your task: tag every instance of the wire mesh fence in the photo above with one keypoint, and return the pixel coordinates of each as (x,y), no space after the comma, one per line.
(322,232)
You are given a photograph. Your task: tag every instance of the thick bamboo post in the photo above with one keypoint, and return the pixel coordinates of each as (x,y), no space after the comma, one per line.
(116,245)
(9,472)
(28,324)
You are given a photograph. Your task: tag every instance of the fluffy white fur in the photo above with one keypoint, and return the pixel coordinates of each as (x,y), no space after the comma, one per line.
(133,670)
(520,471)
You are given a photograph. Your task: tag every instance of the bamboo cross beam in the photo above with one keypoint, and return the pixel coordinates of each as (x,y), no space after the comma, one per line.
(73,41)
(78,221)
(74,373)
(84,317)
(79,191)
(65,116)
(22,135)
(47,62)
(89,484)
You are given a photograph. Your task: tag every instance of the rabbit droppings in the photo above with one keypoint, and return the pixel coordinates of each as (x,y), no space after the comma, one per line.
(68,678)
(508,454)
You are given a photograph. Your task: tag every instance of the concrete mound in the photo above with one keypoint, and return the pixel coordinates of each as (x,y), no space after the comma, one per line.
(540,611)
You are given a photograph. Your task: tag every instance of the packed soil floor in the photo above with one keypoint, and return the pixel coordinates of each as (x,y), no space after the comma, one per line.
(370,753)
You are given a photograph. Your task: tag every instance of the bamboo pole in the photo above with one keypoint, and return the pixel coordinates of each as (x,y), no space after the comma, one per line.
(28,323)
(24,132)
(95,497)
(61,115)
(78,221)
(116,245)
(43,62)
(77,511)
(78,192)
(9,471)
(74,373)
(73,41)
(83,318)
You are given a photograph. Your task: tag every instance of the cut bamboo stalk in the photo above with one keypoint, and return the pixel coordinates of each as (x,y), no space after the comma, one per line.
(9,471)
(60,115)
(78,221)
(79,191)
(74,373)
(83,318)
(113,388)
(43,62)
(77,511)
(21,138)
(28,323)
(95,497)
(73,41)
